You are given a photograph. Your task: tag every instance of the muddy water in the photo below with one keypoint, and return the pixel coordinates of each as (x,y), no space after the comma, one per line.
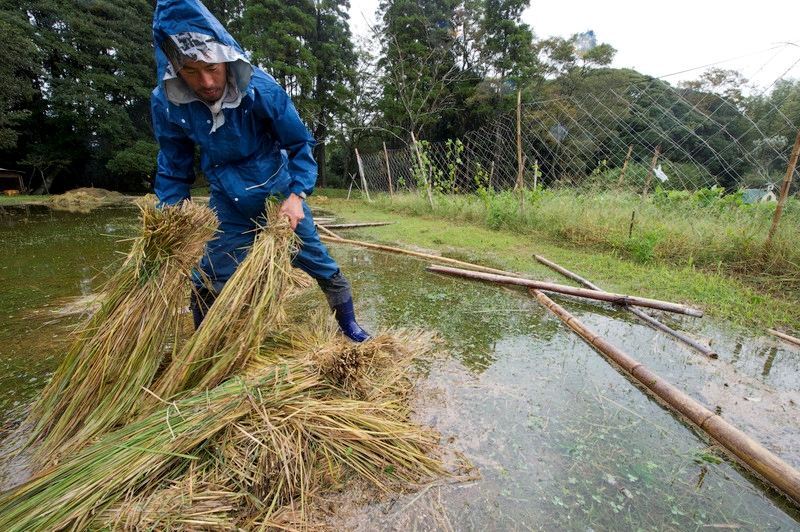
(560,439)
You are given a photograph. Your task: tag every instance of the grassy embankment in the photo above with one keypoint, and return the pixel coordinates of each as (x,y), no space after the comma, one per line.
(21,200)
(707,253)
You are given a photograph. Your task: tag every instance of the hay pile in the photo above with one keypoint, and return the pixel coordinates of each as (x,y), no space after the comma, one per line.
(241,425)
(85,199)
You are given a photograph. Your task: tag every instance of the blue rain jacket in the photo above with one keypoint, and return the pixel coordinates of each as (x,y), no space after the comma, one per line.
(254,145)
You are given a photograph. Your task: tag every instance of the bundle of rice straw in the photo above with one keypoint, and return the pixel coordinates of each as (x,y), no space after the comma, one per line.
(243,425)
(265,443)
(121,347)
(251,304)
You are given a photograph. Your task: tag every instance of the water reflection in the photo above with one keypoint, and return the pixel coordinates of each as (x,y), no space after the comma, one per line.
(561,439)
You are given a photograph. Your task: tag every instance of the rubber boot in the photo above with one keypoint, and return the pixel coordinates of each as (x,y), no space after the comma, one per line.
(346,317)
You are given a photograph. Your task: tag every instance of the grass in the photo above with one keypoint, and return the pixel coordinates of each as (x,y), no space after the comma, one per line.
(22,200)
(462,228)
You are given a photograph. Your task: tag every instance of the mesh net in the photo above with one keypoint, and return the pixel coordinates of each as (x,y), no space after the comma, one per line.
(636,137)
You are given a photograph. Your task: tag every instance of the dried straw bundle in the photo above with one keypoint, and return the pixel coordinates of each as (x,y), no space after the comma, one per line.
(251,304)
(274,443)
(135,458)
(120,348)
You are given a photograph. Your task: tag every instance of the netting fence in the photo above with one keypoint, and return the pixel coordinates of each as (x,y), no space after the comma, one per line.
(635,137)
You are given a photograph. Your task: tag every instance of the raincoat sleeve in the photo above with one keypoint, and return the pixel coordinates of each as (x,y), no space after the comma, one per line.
(175,158)
(293,136)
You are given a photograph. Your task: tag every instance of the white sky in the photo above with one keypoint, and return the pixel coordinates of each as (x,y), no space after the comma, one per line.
(660,38)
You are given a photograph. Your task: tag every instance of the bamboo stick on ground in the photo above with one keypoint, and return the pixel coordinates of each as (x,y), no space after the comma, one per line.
(571,290)
(328,232)
(355,225)
(513,278)
(739,445)
(784,336)
(419,254)
(635,311)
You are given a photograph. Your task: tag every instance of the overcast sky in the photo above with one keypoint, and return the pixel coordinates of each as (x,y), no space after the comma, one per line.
(668,37)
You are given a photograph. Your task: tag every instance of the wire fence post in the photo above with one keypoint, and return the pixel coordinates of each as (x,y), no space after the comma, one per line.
(520,186)
(787,182)
(652,169)
(422,168)
(361,173)
(388,169)
(625,166)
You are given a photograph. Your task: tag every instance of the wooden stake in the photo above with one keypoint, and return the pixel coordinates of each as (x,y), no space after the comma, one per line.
(625,166)
(656,154)
(738,445)
(520,163)
(787,182)
(784,336)
(635,311)
(361,173)
(350,189)
(422,168)
(570,290)
(388,169)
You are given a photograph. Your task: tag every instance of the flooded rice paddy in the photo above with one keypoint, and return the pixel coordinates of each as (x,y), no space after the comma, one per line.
(559,438)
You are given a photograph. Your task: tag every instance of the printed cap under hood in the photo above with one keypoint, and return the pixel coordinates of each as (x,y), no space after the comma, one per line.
(185,29)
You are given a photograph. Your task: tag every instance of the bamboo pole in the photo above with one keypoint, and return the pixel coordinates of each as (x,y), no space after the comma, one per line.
(493,274)
(388,169)
(361,173)
(787,182)
(520,163)
(422,168)
(738,445)
(418,254)
(784,336)
(656,154)
(570,290)
(635,311)
(355,225)
(328,232)
(625,166)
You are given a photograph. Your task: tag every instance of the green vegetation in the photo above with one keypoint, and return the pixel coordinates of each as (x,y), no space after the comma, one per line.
(575,232)
(22,200)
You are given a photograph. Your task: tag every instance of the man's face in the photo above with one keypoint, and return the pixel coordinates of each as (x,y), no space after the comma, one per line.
(207,80)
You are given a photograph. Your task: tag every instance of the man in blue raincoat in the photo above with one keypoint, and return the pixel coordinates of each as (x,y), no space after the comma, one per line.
(253,145)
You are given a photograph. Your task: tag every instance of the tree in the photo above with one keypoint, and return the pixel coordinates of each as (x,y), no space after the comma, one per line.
(279,35)
(418,63)
(507,49)
(19,65)
(335,74)
(569,61)
(92,82)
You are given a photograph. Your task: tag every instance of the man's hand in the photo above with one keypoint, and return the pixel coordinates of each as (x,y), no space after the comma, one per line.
(292,208)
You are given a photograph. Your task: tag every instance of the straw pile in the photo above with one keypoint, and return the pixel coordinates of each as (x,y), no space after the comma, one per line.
(120,349)
(243,425)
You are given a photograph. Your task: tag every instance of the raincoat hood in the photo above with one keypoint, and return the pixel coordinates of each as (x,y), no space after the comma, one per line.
(185,30)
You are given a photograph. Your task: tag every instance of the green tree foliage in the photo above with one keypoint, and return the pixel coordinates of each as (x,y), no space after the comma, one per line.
(278,35)
(18,67)
(91,84)
(335,74)
(418,62)
(507,49)
(306,45)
